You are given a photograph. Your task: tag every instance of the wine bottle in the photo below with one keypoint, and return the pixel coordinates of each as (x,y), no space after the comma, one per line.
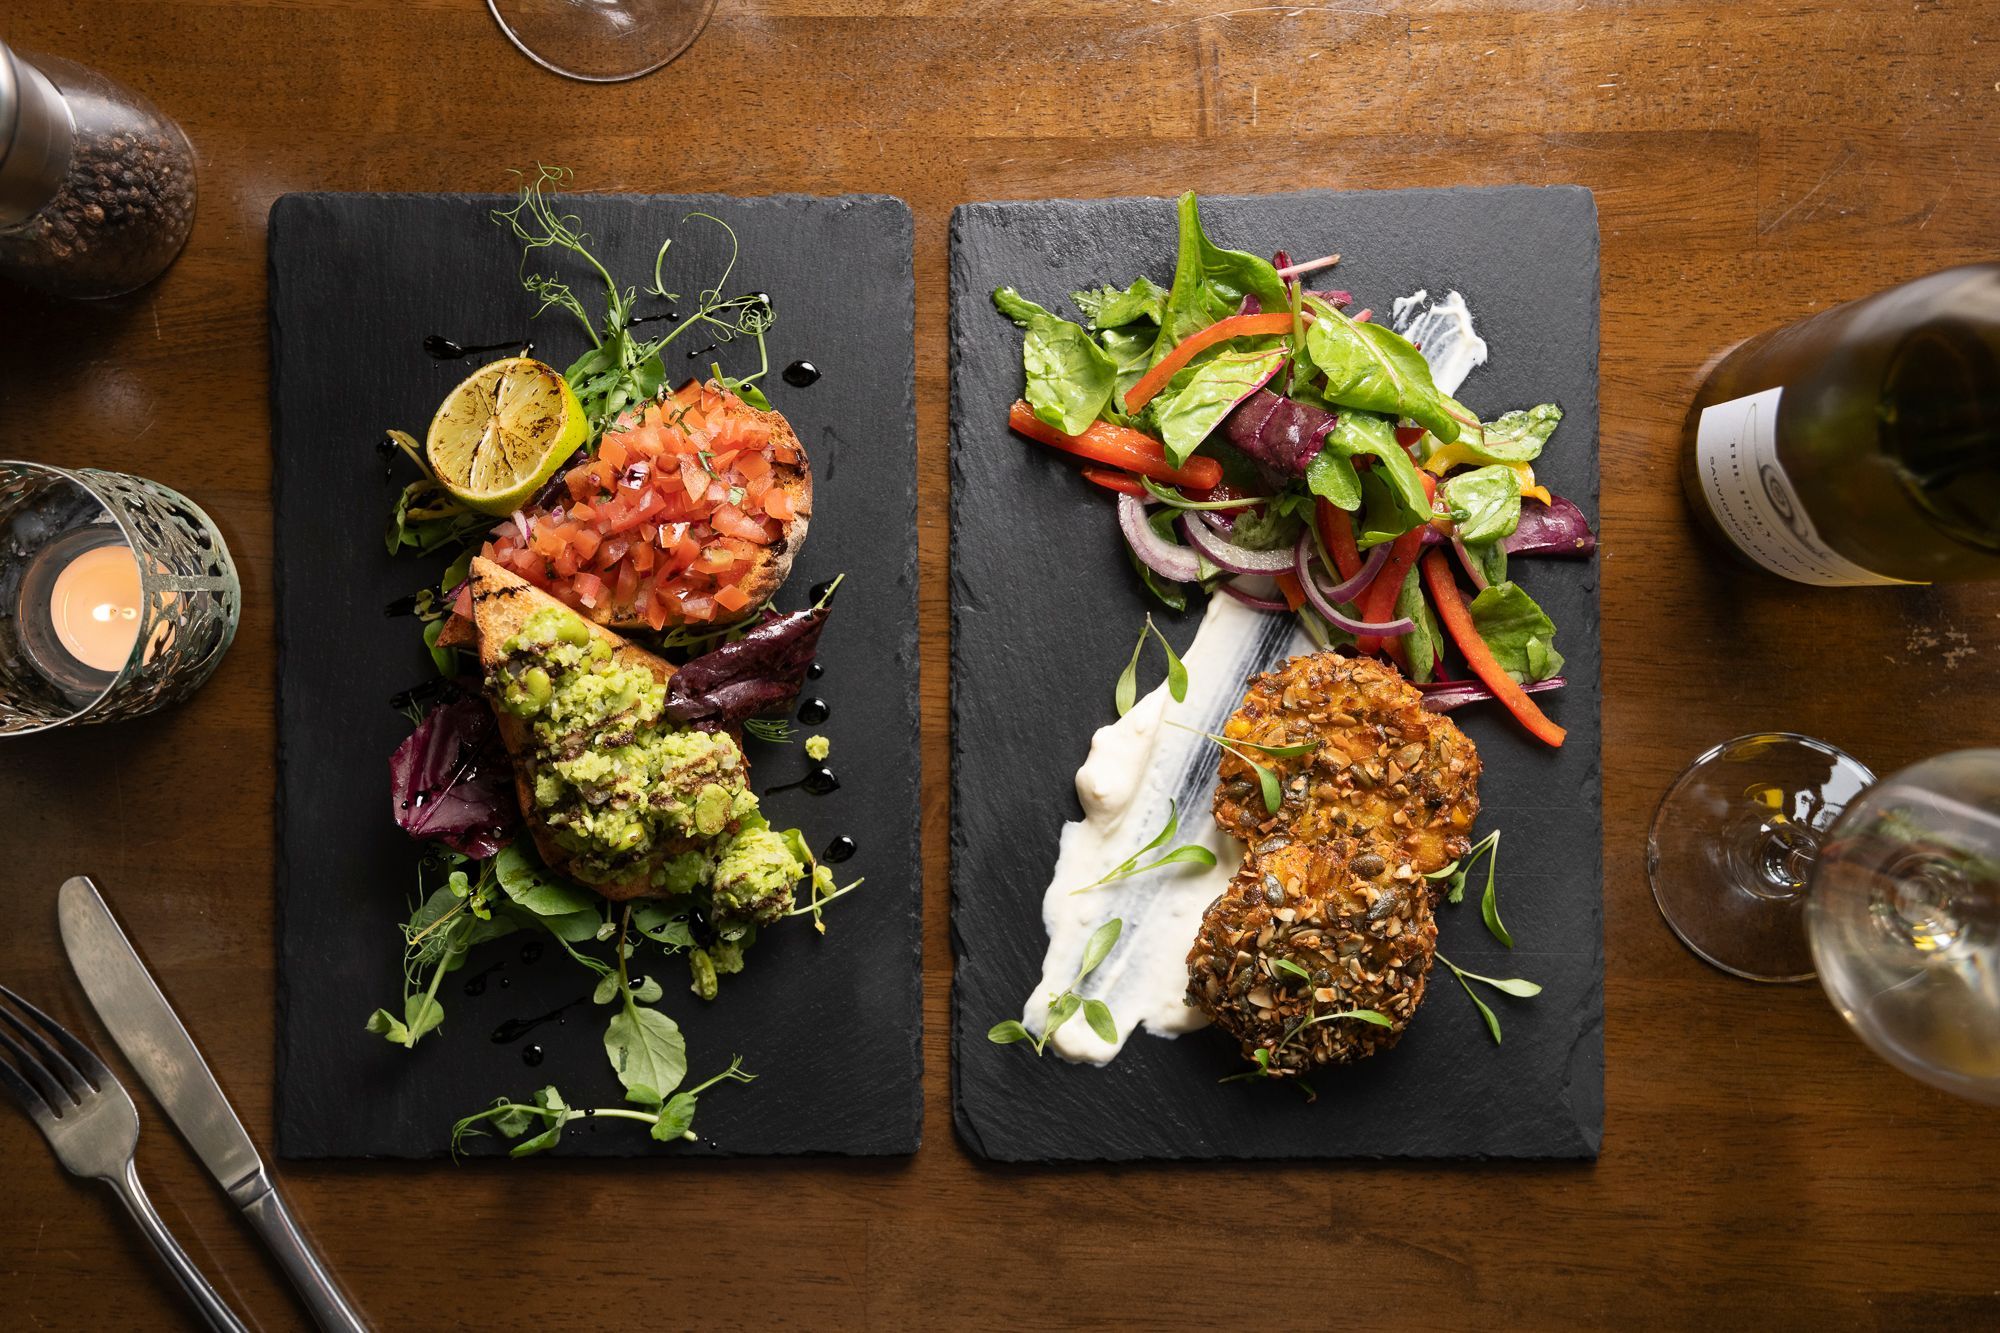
(1861,445)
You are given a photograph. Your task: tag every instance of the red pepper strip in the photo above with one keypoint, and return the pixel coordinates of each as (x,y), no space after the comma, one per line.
(1236,326)
(1377,601)
(1288,584)
(1116,446)
(1337,531)
(1457,622)
(1111,480)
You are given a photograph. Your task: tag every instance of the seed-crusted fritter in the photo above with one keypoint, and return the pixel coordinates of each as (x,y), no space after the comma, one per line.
(1386,770)
(1362,943)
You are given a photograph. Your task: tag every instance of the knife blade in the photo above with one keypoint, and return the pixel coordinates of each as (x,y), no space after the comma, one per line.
(151,1035)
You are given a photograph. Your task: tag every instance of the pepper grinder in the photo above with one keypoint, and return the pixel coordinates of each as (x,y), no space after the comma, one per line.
(97,187)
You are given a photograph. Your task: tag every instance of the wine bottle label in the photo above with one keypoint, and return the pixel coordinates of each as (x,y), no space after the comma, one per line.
(1736,452)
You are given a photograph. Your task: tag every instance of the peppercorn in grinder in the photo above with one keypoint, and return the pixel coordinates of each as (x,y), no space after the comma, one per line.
(97,187)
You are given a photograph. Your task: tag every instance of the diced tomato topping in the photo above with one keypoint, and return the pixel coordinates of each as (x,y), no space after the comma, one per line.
(778,503)
(589,588)
(611,450)
(586,542)
(733,522)
(731,599)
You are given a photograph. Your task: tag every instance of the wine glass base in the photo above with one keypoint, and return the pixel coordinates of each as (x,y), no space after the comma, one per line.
(1731,845)
(601,41)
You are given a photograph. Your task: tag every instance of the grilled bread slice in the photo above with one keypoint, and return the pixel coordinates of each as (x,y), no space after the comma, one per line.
(501,604)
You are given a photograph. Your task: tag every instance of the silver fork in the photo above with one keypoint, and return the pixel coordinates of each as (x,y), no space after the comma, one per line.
(91,1125)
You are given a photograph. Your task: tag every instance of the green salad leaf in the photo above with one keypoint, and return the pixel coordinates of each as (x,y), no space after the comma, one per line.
(1215,387)
(1517,630)
(1070,378)
(1109,308)
(1425,643)
(1372,367)
(1516,437)
(1490,498)
(1367,434)
(1211,282)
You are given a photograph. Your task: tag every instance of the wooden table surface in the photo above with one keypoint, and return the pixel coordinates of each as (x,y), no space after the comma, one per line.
(1752,162)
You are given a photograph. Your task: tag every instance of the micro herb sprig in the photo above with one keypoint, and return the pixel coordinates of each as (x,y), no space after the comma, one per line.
(770,730)
(1192,853)
(1514,986)
(673,1119)
(1489,902)
(1064,1007)
(443,928)
(1267,781)
(1127,692)
(621,371)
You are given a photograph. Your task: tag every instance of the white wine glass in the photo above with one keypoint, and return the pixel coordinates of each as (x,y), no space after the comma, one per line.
(1778,857)
(601,41)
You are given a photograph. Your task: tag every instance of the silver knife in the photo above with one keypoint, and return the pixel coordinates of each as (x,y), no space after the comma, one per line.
(148,1030)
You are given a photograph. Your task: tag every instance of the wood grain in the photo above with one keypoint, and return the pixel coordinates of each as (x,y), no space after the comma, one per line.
(1752,163)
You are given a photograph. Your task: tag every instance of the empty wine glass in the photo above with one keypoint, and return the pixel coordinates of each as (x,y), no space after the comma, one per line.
(1777,857)
(601,41)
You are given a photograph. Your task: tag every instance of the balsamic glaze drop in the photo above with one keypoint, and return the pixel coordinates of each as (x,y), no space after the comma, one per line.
(516,1028)
(801,374)
(815,671)
(700,352)
(401,606)
(814,711)
(840,849)
(444,349)
(647,319)
(823,592)
(820,782)
(531,1056)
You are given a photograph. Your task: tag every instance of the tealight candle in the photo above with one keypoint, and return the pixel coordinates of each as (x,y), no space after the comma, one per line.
(96,607)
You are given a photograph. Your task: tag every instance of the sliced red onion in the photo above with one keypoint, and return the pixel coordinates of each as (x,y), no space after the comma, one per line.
(1472,570)
(1445,695)
(522,526)
(1348,590)
(1332,614)
(1174,563)
(1219,551)
(1252,600)
(1335,297)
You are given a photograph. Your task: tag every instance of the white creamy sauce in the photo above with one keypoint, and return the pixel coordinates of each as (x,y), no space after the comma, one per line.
(1443,331)
(1141,767)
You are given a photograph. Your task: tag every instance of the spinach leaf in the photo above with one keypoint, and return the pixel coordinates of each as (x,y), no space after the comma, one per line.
(1491,557)
(1332,477)
(1384,514)
(1069,377)
(1130,349)
(1516,437)
(1210,282)
(529,884)
(1109,308)
(1519,632)
(1215,387)
(1425,643)
(1366,434)
(1273,525)
(1491,499)
(1372,367)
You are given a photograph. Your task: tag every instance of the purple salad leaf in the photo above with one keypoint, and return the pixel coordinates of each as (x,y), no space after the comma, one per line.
(1280,434)
(1551,529)
(1445,695)
(451,781)
(762,672)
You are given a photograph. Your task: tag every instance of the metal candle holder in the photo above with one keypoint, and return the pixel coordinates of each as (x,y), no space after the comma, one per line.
(189,595)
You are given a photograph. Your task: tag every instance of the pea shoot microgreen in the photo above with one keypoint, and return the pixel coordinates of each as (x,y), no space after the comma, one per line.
(1126,693)
(1065,1006)
(1192,853)
(1458,871)
(1514,986)
(440,932)
(669,1120)
(1267,781)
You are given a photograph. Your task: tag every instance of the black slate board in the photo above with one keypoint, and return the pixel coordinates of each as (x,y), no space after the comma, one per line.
(830,1025)
(1044,613)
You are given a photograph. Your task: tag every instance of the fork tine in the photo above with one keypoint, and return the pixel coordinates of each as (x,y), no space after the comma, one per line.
(92,1069)
(24,1092)
(46,1090)
(74,1083)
